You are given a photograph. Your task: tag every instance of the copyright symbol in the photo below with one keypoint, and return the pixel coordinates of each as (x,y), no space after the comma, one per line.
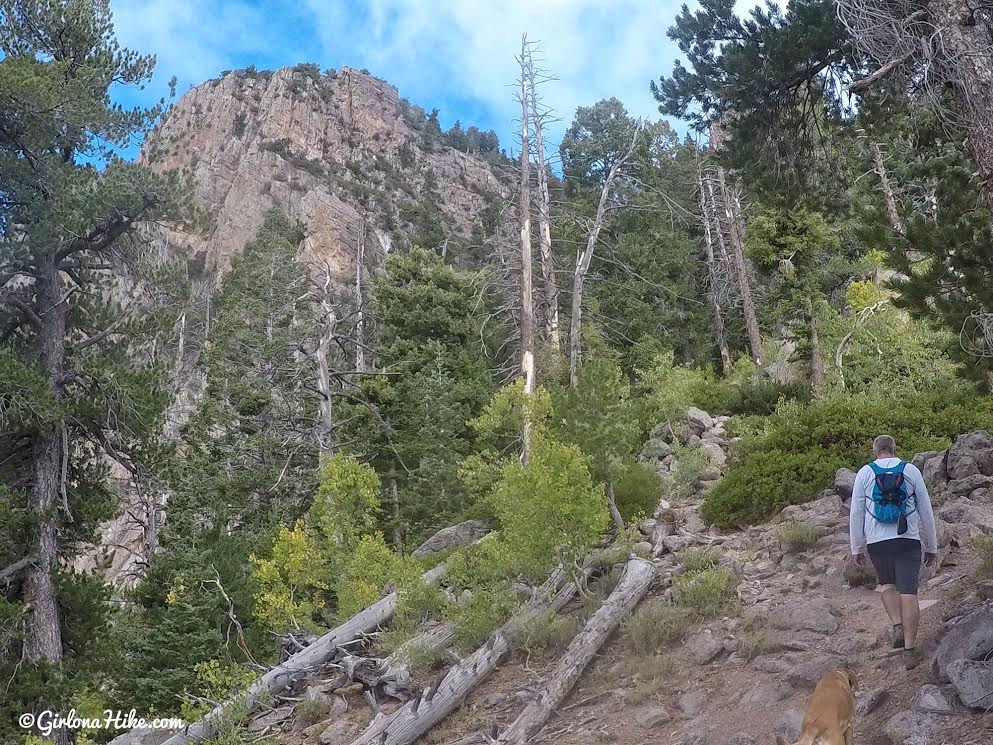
(26,721)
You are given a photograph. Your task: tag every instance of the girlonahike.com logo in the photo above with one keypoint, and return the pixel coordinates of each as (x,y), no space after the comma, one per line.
(47,722)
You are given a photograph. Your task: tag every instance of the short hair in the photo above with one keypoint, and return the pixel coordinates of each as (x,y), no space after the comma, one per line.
(883,444)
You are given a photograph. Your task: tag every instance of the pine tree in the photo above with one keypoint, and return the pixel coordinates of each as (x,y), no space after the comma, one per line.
(79,388)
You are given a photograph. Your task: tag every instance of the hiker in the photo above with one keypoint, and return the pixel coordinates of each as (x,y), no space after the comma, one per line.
(891,517)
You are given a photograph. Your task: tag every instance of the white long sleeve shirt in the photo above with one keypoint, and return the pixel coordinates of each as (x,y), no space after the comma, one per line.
(865,529)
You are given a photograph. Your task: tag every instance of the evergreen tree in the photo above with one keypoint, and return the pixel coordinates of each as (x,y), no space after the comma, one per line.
(79,387)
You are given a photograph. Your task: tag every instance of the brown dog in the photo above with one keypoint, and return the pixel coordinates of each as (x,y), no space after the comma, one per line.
(830,716)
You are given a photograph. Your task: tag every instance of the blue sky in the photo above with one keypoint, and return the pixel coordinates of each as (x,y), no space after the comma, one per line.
(456,55)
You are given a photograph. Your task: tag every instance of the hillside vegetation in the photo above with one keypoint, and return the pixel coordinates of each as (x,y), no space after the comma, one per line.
(214,376)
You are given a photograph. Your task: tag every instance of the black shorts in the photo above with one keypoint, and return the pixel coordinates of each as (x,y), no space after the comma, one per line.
(897,562)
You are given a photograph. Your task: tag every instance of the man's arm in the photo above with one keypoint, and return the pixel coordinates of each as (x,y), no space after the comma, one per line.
(856,515)
(929,535)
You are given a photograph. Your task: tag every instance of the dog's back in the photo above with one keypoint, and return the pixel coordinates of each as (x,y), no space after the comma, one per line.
(831,711)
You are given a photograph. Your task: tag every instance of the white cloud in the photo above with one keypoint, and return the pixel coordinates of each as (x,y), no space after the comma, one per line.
(595,47)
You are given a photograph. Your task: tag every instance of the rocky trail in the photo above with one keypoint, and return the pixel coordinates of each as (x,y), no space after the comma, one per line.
(743,676)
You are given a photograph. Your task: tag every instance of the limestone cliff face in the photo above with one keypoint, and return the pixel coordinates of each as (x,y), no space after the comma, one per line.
(339,152)
(344,156)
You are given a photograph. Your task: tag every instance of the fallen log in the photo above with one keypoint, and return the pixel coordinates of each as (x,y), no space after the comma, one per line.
(449,690)
(284,675)
(391,675)
(638,576)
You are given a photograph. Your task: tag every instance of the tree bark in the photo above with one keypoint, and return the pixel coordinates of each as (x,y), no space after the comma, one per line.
(638,576)
(739,265)
(327,324)
(360,364)
(392,675)
(283,676)
(527,300)
(584,258)
(552,334)
(408,723)
(709,221)
(967,44)
(884,180)
(813,338)
(615,513)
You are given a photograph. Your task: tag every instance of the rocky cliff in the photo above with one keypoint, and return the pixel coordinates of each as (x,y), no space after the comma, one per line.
(340,152)
(346,158)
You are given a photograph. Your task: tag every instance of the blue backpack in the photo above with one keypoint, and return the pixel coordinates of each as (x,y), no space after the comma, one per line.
(890,498)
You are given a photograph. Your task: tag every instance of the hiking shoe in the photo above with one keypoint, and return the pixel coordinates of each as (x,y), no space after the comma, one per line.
(912,658)
(898,636)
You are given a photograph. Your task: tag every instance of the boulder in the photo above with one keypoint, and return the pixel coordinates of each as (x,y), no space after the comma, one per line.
(844,482)
(929,698)
(454,536)
(966,454)
(934,471)
(650,716)
(766,694)
(965,511)
(808,673)
(867,702)
(974,682)
(714,452)
(339,732)
(703,647)
(967,485)
(693,703)
(852,645)
(921,458)
(812,615)
(859,576)
(655,449)
(717,435)
(698,420)
(969,639)
(911,728)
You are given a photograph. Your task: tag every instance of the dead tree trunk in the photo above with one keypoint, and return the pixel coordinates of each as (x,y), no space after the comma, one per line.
(813,339)
(392,675)
(326,326)
(708,221)
(884,180)
(360,364)
(283,676)
(736,239)
(634,584)
(524,207)
(408,723)
(586,256)
(552,335)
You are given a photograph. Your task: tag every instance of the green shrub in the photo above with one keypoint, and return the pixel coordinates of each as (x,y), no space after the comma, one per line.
(680,482)
(650,674)
(545,634)
(698,559)
(311,711)
(476,619)
(794,454)
(982,544)
(707,592)
(797,537)
(656,624)
(636,491)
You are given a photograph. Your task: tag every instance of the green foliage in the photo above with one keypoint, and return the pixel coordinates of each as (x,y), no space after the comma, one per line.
(689,462)
(982,545)
(548,508)
(794,453)
(655,625)
(481,615)
(705,592)
(291,583)
(797,537)
(544,634)
(346,505)
(636,491)
(698,559)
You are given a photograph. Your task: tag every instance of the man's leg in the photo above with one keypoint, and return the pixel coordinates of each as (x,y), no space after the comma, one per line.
(892,604)
(910,612)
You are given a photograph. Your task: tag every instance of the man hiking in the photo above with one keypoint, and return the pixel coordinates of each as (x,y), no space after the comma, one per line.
(891,517)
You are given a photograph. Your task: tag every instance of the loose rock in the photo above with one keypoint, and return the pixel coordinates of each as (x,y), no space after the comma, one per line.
(969,639)
(929,698)
(974,682)
(650,716)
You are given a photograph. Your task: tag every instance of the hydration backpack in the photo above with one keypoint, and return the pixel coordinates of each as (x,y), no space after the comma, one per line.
(890,499)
